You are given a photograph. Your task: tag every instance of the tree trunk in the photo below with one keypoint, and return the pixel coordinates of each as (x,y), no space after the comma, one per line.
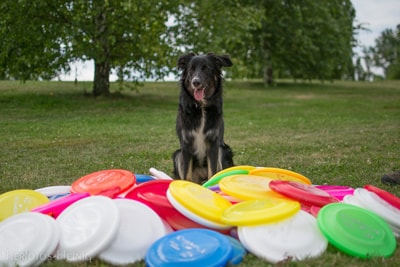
(101,85)
(267,71)
(102,66)
(268,75)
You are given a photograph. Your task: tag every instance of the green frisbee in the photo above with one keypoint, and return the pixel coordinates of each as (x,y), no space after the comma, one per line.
(219,176)
(356,231)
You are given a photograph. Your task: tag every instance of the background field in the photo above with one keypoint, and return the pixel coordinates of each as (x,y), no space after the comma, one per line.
(341,133)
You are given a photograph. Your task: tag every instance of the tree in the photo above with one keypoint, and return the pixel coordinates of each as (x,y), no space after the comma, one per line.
(364,64)
(39,38)
(386,52)
(299,39)
(307,39)
(220,26)
(30,48)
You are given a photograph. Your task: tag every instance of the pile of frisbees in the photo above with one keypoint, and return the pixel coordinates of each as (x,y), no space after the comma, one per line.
(121,218)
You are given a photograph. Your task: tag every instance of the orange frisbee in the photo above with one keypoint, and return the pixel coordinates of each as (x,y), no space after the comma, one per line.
(101,181)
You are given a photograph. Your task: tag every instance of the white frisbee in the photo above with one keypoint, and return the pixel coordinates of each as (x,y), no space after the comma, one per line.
(385,210)
(52,191)
(138,229)
(88,226)
(295,238)
(27,239)
(352,200)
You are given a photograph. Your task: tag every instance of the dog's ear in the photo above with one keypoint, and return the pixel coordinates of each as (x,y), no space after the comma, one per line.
(184,59)
(225,60)
(222,60)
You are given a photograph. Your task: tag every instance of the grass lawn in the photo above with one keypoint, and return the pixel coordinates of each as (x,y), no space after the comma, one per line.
(341,133)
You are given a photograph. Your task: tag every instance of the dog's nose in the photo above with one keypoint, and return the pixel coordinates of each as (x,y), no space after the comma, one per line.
(196,82)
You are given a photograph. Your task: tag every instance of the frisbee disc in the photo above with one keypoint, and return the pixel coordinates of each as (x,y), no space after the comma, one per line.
(142,178)
(385,195)
(260,211)
(230,198)
(159,175)
(27,239)
(247,168)
(215,180)
(280,174)
(238,251)
(336,191)
(297,237)
(101,181)
(374,203)
(138,229)
(314,211)
(87,227)
(54,208)
(244,169)
(307,194)
(199,200)
(247,187)
(352,200)
(356,231)
(205,222)
(190,247)
(54,192)
(19,201)
(154,195)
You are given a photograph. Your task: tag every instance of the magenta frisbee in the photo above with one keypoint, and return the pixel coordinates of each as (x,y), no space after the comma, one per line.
(337,191)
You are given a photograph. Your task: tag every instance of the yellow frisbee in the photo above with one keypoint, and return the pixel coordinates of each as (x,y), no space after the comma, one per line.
(260,211)
(19,201)
(199,200)
(280,174)
(247,187)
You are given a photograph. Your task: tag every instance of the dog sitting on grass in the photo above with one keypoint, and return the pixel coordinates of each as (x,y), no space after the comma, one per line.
(200,123)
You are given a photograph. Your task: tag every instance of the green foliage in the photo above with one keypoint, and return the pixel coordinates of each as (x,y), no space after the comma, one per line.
(384,55)
(31,45)
(40,37)
(306,39)
(141,39)
(387,52)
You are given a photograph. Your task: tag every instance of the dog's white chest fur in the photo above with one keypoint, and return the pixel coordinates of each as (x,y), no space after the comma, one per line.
(199,143)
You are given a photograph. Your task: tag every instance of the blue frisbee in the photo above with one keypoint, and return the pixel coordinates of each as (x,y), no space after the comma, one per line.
(238,251)
(190,247)
(142,178)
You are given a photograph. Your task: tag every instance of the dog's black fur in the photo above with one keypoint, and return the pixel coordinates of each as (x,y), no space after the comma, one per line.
(199,123)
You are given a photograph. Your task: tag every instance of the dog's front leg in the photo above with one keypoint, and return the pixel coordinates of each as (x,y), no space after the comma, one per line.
(212,159)
(187,160)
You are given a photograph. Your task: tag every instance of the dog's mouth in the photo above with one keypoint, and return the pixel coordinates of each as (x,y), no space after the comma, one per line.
(199,93)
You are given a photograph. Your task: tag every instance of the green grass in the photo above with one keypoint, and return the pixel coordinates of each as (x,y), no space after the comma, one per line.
(343,133)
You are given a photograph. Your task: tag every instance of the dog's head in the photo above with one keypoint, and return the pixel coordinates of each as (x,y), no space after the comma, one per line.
(202,74)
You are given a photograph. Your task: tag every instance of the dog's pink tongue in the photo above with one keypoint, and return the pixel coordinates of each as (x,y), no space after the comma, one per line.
(199,94)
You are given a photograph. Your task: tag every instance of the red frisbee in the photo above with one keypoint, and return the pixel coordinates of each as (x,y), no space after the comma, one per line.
(385,195)
(103,181)
(306,194)
(154,195)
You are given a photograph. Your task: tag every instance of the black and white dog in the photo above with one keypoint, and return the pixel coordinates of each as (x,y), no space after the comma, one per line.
(199,123)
